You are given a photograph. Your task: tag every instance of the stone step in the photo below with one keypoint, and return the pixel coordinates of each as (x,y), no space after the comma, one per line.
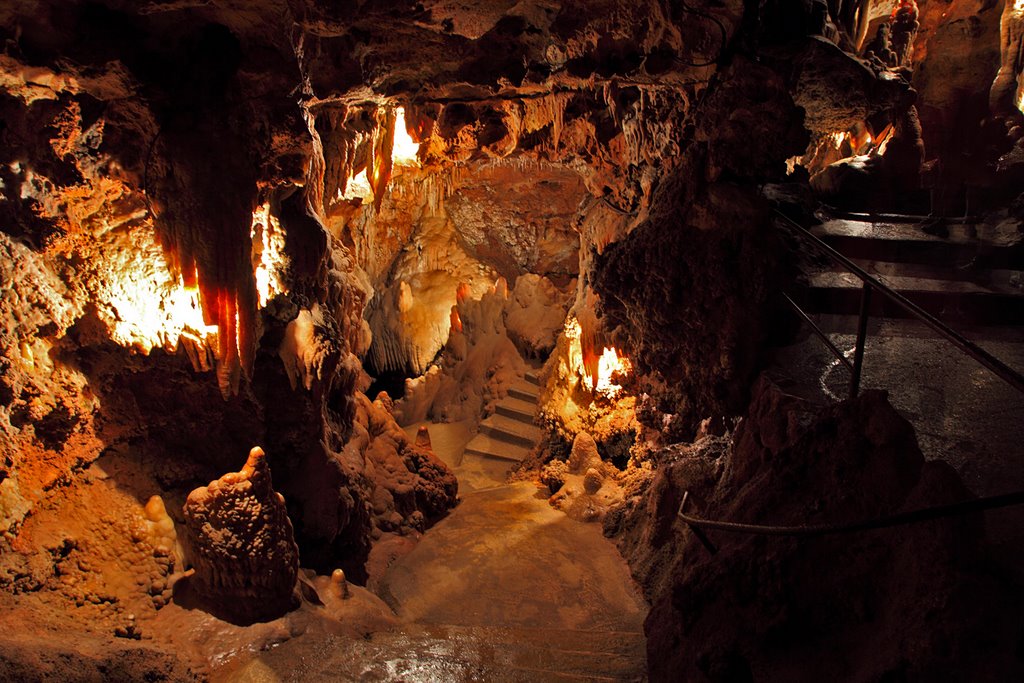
(517,409)
(486,446)
(900,242)
(524,391)
(533,377)
(955,301)
(998,278)
(511,431)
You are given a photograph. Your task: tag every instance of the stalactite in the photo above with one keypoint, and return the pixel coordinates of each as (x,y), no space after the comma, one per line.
(380,163)
(904,30)
(546,111)
(315,171)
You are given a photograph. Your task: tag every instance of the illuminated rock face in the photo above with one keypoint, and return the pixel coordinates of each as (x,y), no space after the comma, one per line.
(215,213)
(241,544)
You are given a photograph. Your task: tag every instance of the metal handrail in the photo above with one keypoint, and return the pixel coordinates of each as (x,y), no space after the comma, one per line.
(996,366)
(699,525)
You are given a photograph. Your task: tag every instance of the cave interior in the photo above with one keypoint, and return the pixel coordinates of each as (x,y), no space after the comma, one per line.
(443,341)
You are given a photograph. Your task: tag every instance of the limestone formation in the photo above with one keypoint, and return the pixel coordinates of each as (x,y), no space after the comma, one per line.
(307,224)
(241,544)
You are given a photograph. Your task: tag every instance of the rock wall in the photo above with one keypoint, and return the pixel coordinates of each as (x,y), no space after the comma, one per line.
(689,292)
(917,601)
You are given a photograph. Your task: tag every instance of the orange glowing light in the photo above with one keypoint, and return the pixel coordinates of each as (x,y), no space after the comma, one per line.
(358,187)
(406,150)
(148,307)
(376,176)
(611,364)
(268,259)
(150,318)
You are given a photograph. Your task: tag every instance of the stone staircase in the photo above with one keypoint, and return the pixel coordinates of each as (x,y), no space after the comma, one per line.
(972,279)
(973,275)
(507,436)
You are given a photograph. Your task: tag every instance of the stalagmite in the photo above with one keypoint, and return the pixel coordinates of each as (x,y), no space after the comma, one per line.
(241,544)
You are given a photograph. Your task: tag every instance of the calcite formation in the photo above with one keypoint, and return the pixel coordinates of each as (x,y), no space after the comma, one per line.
(479,364)
(222,222)
(241,544)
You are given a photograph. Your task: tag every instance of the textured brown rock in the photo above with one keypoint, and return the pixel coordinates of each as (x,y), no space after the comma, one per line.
(767,608)
(241,544)
(696,297)
(837,90)
(584,455)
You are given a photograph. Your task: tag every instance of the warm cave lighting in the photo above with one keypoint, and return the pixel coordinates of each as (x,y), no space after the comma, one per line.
(608,365)
(155,312)
(268,259)
(404,153)
(406,150)
(358,187)
(151,308)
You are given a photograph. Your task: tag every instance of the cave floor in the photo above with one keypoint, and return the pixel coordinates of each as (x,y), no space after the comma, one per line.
(505,588)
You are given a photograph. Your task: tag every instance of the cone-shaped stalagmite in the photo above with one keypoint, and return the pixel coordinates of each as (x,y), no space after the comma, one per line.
(241,544)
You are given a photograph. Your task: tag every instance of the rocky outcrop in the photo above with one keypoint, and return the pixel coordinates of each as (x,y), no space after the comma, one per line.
(691,301)
(479,363)
(412,488)
(585,488)
(861,606)
(535,314)
(241,545)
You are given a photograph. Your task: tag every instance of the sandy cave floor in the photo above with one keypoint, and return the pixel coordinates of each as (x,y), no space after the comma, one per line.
(505,588)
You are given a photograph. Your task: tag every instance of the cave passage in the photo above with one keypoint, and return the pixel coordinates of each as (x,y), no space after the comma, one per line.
(385,340)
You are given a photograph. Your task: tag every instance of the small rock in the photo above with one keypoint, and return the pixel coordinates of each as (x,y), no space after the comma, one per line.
(584,454)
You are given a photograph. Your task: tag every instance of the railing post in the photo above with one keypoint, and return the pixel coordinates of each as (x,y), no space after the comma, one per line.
(862,336)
